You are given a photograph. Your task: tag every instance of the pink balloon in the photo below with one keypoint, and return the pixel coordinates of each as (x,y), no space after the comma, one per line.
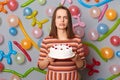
(15,77)
(93,34)
(79,31)
(95,12)
(49,11)
(114,69)
(12,5)
(74,10)
(37,32)
(12,20)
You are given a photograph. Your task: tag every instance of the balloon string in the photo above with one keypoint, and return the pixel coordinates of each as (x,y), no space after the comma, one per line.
(27,36)
(110,31)
(96,49)
(26,73)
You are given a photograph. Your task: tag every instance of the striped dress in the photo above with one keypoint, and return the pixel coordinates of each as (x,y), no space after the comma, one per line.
(64,69)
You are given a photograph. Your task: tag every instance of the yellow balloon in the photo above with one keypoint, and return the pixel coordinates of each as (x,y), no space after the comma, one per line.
(107,53)
(26,44)
(111,14)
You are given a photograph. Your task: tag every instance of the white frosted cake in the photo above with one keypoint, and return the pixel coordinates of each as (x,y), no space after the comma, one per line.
(61,51)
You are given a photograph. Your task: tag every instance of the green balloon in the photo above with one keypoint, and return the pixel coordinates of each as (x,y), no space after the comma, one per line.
(19,58)
(42,2)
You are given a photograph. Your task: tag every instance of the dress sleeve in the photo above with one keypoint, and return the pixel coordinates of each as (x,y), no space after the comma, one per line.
(43,51)
(80,50)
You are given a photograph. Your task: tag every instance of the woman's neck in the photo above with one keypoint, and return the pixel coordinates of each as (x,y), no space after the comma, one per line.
(62,35)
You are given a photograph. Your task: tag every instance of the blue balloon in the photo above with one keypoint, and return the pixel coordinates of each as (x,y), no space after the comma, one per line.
(27,11)
(102,28)
(39,42)
(118,53)
(100,79)
(13,31)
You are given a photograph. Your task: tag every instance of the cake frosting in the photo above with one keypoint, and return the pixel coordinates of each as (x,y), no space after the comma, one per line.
(61,51)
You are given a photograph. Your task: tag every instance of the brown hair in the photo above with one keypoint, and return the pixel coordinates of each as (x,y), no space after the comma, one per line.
(53,31)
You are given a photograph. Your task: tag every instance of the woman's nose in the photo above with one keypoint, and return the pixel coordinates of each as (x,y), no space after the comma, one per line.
(62,19)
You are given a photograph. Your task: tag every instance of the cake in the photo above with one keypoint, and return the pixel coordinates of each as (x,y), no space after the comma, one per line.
(61,51)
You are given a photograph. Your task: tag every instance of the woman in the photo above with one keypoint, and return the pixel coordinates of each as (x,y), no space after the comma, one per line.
(62,33)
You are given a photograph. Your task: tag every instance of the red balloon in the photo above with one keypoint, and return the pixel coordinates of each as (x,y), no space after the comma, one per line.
(85,50)
(1,67)
(115,40)
(74,10)
(12,5)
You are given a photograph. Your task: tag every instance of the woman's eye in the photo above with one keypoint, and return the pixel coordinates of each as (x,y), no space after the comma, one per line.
(66,17)
(58,17)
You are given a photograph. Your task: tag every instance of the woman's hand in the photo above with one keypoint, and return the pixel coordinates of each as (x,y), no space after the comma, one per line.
(49,59)
(79,61)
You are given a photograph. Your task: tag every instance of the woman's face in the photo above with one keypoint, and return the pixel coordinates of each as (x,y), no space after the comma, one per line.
(61,20)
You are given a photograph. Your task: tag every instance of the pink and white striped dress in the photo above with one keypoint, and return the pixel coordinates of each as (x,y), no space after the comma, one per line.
(60,69)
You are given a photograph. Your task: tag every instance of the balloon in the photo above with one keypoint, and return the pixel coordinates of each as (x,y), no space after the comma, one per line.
(12,5)
(1,38)
(111,14)
(116,24)
(23,50)
(118,54)
(42,2)
(15,77)
(102,28)
(115,40)
(92,5)
(26,44)
(107,52)
(103,12)
(95,12)
(85,50)
(49,11)
(79,31)
(93,34)
(39,42)
(13,31)
(27,11)
(12,20)
(1,67)
(19,58)
(74,10)
(37,32)
(114,69)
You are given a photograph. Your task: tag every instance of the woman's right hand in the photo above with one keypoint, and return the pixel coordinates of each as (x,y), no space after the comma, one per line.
(51,60)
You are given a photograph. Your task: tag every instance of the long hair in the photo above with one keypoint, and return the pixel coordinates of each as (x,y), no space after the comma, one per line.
(69,29)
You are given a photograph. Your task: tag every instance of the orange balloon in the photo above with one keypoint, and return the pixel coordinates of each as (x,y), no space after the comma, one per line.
(26,44)
(111,14)
(107,52)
